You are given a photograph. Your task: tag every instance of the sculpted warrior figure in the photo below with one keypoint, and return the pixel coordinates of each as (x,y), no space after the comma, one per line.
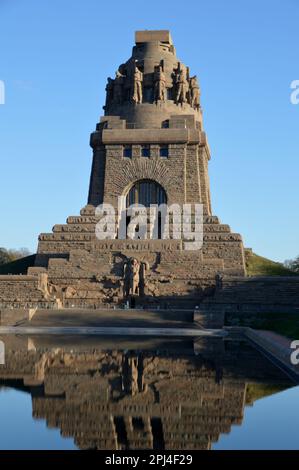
(137,88)
(194,92)
(181,86)
(144,266)
(131,277)
(132,379)
(135,266)
(160,84)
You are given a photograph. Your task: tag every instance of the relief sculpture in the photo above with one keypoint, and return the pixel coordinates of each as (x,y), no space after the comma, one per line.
(181,86)
(160,84)
(194,92)
(133,277)
(137,85)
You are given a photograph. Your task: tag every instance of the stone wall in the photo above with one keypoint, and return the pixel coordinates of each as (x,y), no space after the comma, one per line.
(237,297)
(85,271)
(21,295)
(268,291)
(183,174)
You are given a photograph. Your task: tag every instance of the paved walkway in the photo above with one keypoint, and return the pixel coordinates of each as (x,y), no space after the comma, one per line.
(138,318)
(108,322)
(119,331)
(276,346)
(280,340)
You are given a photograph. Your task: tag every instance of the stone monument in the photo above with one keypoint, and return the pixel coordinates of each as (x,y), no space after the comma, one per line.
(150,148)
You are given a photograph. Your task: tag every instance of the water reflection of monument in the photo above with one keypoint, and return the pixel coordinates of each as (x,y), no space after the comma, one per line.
(140,398)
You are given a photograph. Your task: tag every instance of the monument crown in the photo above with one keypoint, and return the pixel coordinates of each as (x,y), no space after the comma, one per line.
(153,84)
(162,35)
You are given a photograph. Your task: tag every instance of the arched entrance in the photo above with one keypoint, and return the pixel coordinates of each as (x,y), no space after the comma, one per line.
(146,192)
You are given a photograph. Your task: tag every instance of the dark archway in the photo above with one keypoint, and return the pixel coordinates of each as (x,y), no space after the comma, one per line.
(146,192)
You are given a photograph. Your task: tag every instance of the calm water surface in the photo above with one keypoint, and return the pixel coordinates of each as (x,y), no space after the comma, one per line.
(119,393)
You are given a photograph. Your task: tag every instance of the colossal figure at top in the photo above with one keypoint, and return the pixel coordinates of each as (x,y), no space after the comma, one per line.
(150,148)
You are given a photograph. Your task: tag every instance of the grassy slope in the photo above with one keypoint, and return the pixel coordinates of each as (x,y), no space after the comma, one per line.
(284,323)
(255,391)
(259,266)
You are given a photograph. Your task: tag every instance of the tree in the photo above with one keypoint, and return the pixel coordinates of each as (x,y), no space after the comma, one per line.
(17,254)
(293,264)
(4,256)
(7,256)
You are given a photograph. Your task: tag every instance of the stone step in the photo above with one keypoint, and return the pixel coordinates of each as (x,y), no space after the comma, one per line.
(92,219)
(90,228)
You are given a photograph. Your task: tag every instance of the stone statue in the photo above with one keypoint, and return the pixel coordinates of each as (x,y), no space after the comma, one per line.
(132,376)
(137,85)
(144,266)
(118,88)
(131,277)
(194,92)
(160,84)
(135,276)
(181,85)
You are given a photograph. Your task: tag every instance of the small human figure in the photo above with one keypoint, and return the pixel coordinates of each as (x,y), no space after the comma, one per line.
(127,279)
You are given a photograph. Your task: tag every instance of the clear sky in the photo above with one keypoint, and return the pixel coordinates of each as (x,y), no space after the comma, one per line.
(55,59)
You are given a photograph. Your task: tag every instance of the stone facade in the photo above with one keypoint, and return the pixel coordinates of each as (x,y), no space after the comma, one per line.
(151,135)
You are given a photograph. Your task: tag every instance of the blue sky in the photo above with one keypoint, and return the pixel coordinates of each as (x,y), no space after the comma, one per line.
(55,59)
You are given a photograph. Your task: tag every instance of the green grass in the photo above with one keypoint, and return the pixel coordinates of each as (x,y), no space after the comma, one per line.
(286,324)
(259,266)
(255,391)
(18,266)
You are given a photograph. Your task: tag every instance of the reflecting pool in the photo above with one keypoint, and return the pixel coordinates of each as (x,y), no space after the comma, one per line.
(144,393)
